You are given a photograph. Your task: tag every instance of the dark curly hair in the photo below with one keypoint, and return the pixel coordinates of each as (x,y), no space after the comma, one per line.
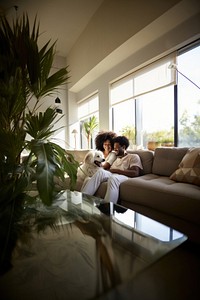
(122,140)
(103,136)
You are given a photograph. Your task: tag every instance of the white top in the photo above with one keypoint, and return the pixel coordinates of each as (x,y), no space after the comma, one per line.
(111,158)
(126,162)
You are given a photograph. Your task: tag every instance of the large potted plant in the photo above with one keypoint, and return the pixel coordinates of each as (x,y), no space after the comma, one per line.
(26,77)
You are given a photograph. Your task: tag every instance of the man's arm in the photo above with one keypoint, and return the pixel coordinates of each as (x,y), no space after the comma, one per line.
(105,165)
(132,172)
(109,161)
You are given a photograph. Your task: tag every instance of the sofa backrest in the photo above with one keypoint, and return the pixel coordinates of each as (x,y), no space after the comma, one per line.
(167,160)
(163,161)
(146,157)
(79,155)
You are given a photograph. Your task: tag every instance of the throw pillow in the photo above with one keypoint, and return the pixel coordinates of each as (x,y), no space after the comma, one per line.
(189,168)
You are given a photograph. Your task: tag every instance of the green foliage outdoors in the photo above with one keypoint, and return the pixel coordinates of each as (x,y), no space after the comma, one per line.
(129,132)
(162,136)
(89,128)
(189,133)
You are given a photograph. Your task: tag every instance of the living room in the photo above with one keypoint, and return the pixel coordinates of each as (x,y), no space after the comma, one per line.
(120,45)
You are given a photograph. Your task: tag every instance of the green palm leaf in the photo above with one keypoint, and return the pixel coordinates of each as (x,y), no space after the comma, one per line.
(26,75)
(89,128)
(45,171)
(67,165)
(39,126)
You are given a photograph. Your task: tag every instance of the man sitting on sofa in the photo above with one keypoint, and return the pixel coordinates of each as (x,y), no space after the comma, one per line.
(125,166)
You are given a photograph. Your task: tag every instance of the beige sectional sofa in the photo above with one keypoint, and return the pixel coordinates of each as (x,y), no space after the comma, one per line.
(154,194)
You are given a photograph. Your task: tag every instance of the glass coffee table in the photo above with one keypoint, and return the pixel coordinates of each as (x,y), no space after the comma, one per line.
(86,251)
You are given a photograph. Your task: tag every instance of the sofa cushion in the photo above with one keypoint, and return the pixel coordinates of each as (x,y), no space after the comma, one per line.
(167,160)
(146,157)
(189,168)
(181,200)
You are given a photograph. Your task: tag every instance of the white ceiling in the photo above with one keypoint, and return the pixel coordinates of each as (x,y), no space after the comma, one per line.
(60,20)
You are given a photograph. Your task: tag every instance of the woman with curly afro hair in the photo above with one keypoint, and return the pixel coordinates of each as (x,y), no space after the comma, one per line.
(104,143)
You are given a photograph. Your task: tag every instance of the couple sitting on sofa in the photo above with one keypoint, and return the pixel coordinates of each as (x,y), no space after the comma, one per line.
(114,171)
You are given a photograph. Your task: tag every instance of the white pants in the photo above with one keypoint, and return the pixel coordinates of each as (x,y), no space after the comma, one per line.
(113,182)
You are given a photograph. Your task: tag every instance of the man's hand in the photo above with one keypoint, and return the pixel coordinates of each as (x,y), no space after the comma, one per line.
(133,172)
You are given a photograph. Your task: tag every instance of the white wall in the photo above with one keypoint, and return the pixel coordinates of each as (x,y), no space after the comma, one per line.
(61,135)
(49,101)
(97,59)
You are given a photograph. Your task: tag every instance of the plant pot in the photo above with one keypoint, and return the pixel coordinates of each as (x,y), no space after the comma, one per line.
(153,145)
(8,239)
(167,144)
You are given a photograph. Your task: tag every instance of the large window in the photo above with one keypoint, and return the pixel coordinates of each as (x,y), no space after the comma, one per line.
(148,105)
(126,109)
(87,110)
(156,118)
(188,64)
(142,105)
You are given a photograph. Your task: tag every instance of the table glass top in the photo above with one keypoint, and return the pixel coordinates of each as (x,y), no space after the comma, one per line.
(85,252)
